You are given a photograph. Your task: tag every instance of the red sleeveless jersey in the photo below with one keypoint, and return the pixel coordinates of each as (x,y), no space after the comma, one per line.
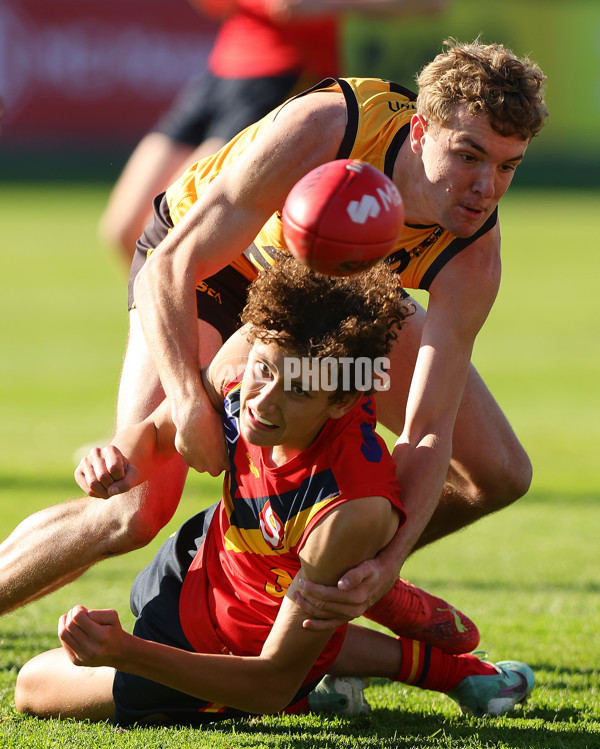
(236,582)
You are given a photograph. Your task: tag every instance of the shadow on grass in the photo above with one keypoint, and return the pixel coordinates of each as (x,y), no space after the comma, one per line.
(393,728)
(385,728)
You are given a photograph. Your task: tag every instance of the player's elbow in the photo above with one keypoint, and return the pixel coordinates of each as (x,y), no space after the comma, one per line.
(275,693)
(128,525)
(139,532)
(271,705)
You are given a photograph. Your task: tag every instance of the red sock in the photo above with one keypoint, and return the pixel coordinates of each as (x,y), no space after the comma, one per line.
(429,667)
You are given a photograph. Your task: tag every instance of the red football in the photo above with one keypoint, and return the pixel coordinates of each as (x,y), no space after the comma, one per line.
(342,217)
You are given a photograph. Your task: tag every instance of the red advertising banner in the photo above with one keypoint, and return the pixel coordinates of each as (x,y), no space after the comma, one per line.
(94,71)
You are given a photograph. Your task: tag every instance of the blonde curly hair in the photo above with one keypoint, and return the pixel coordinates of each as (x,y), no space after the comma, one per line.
(489,79)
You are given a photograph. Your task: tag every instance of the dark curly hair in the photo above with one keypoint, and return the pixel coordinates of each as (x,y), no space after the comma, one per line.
(313,315)
(488,79)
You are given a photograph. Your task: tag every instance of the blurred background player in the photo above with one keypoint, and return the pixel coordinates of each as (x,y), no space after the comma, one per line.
(264,51)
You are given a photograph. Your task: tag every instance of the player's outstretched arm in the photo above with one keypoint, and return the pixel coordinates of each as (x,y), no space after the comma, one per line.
(218,228)
(423,451)
(140,449)
(132,456)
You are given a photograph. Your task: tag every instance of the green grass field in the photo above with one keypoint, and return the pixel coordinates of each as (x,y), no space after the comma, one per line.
(529,575)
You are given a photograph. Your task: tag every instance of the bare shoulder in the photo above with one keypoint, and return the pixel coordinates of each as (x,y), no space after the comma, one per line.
(348,535)
(318,120)
(227,365)
(314,107)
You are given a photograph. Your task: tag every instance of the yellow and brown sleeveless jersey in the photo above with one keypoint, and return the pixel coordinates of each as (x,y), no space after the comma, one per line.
(379,114)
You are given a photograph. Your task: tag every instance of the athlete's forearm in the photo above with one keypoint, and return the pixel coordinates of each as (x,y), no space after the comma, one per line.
(247,683)
(422,483)
(165,299)
(140,446)
(423,452)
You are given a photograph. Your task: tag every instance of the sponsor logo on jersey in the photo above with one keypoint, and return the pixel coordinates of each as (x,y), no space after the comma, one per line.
(204,288)
(253,469)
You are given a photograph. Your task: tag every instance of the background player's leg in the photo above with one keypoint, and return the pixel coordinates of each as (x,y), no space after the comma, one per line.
(489,469)
(148,171)
(156,162)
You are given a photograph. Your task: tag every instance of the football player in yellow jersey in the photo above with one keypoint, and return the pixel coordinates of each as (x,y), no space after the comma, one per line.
(243,81)
(457,457)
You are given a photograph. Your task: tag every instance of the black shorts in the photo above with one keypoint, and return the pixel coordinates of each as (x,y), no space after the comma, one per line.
(222,107)
(220,299)
(155,602)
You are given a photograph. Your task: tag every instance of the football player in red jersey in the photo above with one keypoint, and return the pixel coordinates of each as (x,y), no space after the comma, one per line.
(451,151)
(218,633)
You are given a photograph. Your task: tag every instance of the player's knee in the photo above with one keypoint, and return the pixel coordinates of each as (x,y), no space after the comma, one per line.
(523,476)
(511,483)
(517,479)
(494,485)
(29,689)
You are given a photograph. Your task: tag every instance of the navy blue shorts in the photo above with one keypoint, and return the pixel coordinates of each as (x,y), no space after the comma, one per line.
(155,602)
(213,107)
